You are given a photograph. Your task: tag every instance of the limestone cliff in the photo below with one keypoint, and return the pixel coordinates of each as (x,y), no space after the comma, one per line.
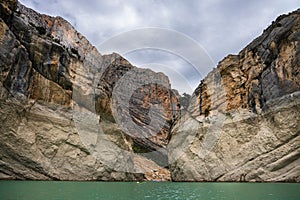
(69,113)
(56,92)
(243,123)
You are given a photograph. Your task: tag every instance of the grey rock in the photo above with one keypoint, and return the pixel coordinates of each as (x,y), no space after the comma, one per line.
(243,120)
(56,89)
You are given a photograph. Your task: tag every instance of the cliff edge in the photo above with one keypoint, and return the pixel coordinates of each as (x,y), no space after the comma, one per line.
(243,123)
(56,92)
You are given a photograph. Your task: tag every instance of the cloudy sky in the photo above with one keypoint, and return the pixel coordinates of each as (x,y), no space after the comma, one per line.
(183,39)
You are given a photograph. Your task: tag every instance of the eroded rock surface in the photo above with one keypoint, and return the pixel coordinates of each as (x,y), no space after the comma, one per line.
(243,123)
(69,113)
(56,92)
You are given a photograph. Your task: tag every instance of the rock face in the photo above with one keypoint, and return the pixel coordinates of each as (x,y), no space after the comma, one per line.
(69,113)
(56,92)
(243,123)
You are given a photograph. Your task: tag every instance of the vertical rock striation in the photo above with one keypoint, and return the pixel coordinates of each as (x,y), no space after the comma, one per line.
(243,120)
(55,95)
(69,113)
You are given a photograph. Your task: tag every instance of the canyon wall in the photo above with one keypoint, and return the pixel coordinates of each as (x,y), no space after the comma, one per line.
(243,123)
(56,96)
(70,113)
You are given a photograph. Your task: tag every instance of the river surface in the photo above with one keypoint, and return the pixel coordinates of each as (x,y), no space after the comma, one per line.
(56,190)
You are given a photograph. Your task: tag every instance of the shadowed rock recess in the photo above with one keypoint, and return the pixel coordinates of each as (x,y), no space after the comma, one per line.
(243,123)
(65,113)
(55,95)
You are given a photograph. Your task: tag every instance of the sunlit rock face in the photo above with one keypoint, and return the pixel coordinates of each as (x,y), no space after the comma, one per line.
(59,109)
(70,113)
(243,123)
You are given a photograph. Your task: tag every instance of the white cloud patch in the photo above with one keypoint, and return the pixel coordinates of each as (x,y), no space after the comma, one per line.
(220,26)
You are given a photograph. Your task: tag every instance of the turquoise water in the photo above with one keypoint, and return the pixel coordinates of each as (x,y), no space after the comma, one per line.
(33,190)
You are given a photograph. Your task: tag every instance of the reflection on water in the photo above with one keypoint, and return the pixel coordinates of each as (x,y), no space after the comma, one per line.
(146,190)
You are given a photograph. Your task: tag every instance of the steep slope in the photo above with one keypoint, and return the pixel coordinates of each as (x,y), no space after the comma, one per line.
(56,92)
(243,123)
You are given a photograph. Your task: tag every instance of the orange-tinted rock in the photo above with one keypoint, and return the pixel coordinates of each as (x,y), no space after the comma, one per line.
(266,69)
(243,120)
(46,69)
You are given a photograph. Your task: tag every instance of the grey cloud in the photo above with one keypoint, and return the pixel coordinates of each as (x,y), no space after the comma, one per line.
(220,26)
(183,75)
(171,48)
